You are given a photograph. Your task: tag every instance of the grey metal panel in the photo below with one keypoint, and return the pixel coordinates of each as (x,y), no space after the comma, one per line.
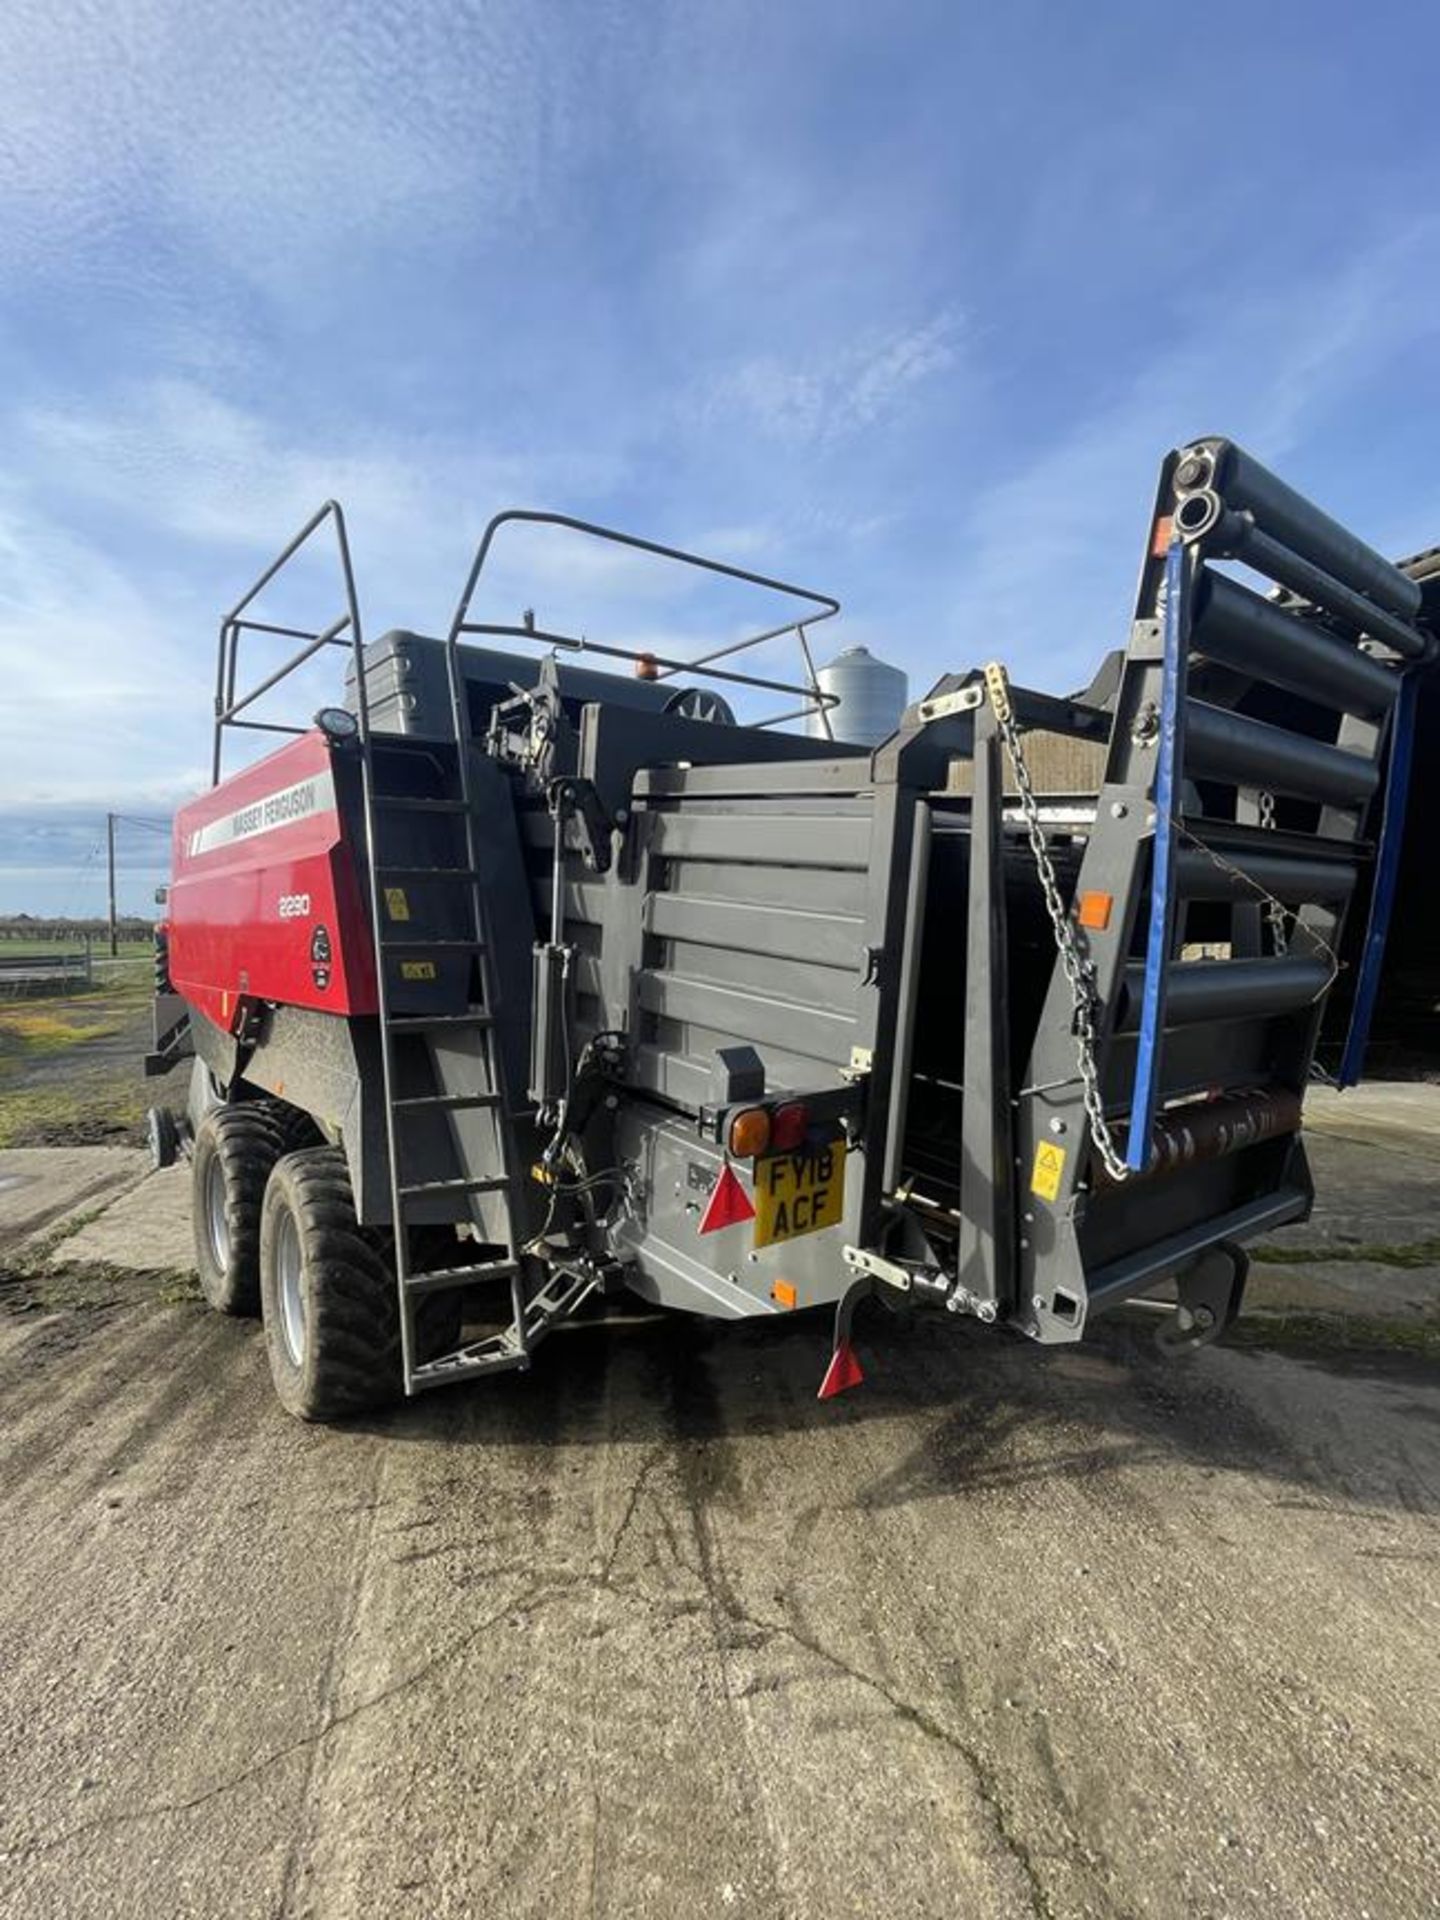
(748,1016)
(771,931)
(786,839)
(1135,1271)
(672,1076)
(754,806)
(615,742)
(661,1066)
(582,902)
(907,1002)
(775,977)
(834,891)
(722,1274)
(585,970)
(776,777)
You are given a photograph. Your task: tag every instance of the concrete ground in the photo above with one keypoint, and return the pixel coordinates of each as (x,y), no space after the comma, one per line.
(651,1632)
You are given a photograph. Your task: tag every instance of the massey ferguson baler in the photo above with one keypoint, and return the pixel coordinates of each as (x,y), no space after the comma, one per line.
(512,983)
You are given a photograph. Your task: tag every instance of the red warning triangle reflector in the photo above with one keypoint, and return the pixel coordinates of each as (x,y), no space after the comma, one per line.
(842,1372)
(728,1204)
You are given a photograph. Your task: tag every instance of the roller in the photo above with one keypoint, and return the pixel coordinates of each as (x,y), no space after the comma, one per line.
(1221,745)
(1240,629)
(1235,536)
(1291,519)
(1289,877)
(1228,990)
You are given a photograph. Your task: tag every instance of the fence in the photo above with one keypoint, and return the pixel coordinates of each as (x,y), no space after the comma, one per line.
(30,973)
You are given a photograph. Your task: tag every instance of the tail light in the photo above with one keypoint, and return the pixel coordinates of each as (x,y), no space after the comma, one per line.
(790,1126)
(749,1133)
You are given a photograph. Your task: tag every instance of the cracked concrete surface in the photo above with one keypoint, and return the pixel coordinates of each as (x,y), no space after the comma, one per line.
(650,1632)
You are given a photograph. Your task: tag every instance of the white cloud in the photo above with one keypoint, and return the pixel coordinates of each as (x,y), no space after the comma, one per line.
(95,673)
(821,400)
(1046,559)
(280,141)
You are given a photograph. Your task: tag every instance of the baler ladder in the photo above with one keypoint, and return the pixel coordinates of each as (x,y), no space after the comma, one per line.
(468,1064)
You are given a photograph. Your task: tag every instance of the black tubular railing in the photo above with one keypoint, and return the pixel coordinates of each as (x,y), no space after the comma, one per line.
(658,666)
(344,631)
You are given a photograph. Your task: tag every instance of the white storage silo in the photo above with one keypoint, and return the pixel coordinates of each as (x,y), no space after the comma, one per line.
(872,698)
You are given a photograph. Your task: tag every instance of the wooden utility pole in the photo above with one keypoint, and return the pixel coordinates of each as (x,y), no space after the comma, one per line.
(110,845)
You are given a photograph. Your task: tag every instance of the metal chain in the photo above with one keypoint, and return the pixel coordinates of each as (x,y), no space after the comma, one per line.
(1078,966)
(1274,912)
(1273,907)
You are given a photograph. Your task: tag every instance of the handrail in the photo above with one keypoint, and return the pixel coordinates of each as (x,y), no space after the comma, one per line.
(345,631)
(656,665)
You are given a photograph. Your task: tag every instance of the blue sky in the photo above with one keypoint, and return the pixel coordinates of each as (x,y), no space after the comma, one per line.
(901,302)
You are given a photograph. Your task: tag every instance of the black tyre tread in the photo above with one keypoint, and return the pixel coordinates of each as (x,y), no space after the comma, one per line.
(247,1143)
(352,1306)
(297,1129)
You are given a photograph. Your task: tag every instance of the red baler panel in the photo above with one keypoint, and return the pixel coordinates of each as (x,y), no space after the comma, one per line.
(265,900)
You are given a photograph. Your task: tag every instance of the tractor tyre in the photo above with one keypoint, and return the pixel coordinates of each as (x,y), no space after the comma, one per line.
(235,1149)
(329,1298)
(206,1096)
(297,1129)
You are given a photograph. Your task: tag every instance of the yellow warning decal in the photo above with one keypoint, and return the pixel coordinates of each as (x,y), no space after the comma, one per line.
(396,905)
(1049,1165)
(417,969)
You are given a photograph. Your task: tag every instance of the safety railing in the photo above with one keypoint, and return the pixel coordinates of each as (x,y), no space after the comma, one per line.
(652,666)
(343,631)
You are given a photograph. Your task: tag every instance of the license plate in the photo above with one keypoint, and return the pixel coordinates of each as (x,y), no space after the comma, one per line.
(799,1193)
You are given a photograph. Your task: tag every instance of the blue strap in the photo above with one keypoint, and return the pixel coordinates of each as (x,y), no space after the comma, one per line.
(1143,1101)
(1387,877)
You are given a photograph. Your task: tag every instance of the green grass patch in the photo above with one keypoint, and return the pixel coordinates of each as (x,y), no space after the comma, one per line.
(64,1080)
(33,1279)
(29,946)
(1321,1333)
(1379,1253)
(33,1030)
(82,1286)
(109,1113)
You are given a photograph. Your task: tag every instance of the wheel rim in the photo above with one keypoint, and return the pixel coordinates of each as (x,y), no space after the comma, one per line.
(292,1296)
(217,1221)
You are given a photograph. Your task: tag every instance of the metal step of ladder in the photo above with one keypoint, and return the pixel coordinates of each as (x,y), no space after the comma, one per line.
(465,1066)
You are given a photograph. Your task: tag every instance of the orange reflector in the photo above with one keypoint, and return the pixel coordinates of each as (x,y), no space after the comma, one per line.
(1164,534)
(749,1133)
(1093,910)
(783,1294)
(728,1204)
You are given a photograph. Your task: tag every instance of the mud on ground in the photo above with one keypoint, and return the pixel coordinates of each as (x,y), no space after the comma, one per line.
(651,1632)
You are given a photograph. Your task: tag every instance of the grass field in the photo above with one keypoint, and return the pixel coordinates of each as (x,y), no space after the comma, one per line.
(70,1064)
(32,949)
